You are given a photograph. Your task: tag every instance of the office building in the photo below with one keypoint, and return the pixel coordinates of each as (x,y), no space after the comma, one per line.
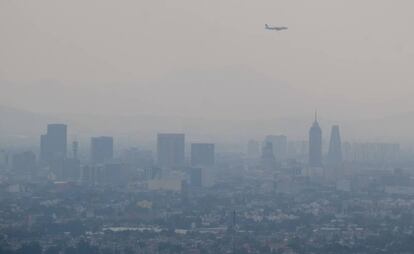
(170,150)
(268,157)
(335,147)
(53,144)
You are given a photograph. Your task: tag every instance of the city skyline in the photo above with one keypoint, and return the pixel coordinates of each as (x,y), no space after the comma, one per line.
(206,127)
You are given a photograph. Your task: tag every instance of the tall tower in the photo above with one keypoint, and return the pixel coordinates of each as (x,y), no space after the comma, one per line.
(335,147)
(315,144)
(53,143)
(170,150)
(268,157)
(57,139)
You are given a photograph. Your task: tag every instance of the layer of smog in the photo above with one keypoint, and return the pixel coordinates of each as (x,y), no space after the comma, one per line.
(206,127)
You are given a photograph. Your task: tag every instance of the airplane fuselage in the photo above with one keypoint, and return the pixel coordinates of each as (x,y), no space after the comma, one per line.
(275,28)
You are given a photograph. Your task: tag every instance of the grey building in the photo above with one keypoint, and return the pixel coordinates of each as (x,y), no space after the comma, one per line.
(170,150)
(268,157)
(53,144)
(335,146)
(315,144)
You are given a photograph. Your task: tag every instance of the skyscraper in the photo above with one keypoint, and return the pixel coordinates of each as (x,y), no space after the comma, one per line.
(102,149)
(53,144)
(170,150)
(315,144)
(335,146)
(268,157)
(202,154)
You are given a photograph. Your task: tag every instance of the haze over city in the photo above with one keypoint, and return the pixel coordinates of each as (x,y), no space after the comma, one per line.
(205,127)
(213,61)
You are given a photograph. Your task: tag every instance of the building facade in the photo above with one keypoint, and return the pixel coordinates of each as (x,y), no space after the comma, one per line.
(170,150)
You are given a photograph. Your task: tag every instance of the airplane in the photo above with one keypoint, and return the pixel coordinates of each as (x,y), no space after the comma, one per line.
(276,28)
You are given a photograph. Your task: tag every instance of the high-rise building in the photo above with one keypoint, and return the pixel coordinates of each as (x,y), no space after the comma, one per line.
(102,149)
(279,143)
(335,146)
(170,150)
(315,144)
(53,144)
(202,154)
(268,157)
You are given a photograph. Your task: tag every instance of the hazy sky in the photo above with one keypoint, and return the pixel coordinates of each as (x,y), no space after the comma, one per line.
(210,58)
